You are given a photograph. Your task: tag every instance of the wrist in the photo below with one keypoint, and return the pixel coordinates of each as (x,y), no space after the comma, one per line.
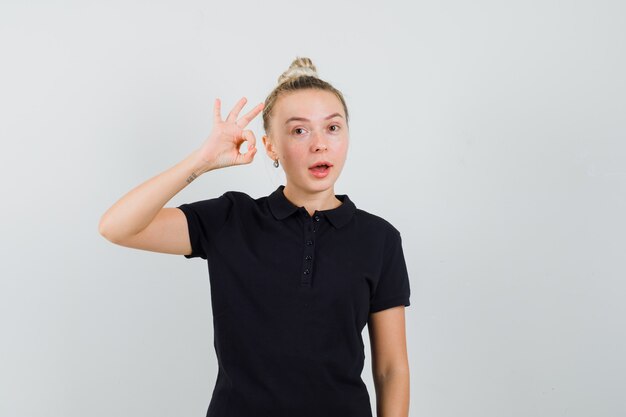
(199,165)
(193,166)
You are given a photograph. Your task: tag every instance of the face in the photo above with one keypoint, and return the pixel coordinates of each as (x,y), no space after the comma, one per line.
(307,127)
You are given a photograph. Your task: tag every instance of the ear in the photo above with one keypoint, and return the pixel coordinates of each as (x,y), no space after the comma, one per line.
(269,147)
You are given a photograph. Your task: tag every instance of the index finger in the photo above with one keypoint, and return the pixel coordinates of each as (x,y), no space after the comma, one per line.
(217,111)
(250,115)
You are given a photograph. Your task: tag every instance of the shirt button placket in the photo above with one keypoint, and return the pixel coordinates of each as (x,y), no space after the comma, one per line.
(309,250)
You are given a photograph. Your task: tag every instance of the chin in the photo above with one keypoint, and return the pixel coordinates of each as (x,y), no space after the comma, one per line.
(324,184)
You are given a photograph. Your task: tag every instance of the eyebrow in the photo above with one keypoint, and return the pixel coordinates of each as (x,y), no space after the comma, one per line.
(291,119)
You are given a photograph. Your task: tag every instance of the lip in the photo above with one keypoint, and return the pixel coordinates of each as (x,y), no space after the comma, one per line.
(321,163)
(319,174)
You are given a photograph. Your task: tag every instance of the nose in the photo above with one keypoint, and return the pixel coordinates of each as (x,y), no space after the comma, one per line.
(319,143)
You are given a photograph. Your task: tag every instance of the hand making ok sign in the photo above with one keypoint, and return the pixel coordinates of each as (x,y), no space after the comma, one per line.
(221,148)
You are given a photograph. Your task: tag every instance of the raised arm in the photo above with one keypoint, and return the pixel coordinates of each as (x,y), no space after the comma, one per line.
(140,220)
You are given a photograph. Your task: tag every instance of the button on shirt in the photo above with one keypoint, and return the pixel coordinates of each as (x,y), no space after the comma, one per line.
(290,296)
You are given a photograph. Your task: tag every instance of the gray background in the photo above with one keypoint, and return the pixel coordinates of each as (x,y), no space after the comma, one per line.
(490,133)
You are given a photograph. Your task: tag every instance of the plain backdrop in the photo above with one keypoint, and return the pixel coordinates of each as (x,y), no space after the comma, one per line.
(490,133)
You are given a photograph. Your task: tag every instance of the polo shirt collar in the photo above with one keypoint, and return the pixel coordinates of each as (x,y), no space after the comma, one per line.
(281,208)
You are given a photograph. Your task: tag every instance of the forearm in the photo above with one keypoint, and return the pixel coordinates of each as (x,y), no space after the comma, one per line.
(137,208)
(392,394)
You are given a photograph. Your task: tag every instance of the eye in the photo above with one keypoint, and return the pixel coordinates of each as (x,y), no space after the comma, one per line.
(296,130)
(337,126)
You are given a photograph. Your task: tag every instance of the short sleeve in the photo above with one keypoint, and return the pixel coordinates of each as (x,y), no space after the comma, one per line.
(204,220)
(393,288)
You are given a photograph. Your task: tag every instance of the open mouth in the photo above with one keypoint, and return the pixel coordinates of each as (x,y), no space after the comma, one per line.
(320,169)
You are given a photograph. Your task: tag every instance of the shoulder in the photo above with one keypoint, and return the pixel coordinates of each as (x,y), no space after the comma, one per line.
(245,205)
(242,198)
(366,218)
(376,223)
(227,201)
(236,196)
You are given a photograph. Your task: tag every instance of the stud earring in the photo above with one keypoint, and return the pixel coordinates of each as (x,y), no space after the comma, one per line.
(276,163)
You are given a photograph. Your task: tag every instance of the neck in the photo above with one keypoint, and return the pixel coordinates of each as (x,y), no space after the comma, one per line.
(312,201)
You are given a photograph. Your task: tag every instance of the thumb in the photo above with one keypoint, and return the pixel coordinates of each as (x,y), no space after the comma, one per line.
(248,135)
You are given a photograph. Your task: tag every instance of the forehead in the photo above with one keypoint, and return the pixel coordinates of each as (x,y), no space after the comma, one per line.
(311,104)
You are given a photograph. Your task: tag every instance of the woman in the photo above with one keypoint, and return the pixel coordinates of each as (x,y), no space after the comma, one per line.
(294,275)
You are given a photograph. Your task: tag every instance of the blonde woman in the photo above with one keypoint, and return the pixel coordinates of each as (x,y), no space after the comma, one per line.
(294,275)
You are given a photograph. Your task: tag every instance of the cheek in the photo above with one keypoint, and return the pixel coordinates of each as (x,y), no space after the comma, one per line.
(295,154)
(342,148)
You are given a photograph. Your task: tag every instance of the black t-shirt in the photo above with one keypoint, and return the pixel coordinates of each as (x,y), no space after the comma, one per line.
(290,296)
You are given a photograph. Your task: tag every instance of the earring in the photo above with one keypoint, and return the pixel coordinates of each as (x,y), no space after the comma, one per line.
(276,163)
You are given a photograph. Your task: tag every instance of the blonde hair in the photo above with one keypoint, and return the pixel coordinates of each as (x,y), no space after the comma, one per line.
(300,75)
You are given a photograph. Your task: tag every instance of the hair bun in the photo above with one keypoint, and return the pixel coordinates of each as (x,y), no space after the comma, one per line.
(299,67)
